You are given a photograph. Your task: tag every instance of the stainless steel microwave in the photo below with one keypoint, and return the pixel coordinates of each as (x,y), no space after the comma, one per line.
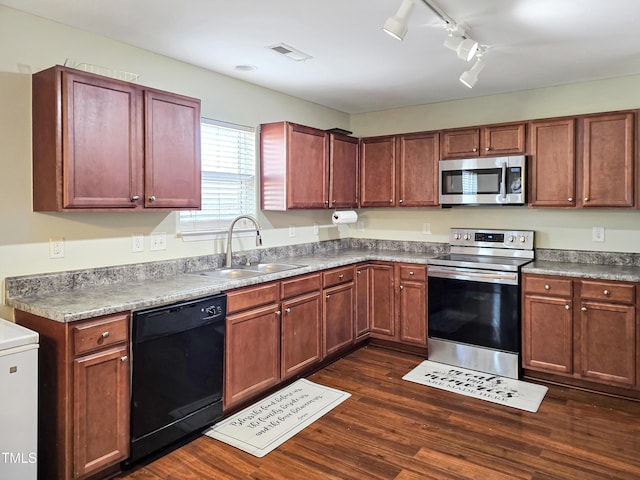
(482,181)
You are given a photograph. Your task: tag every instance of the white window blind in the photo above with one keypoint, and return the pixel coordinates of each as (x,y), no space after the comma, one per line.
(228,177)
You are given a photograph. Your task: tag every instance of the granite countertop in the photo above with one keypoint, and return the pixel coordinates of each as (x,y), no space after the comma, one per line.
(625,273)
(82,303)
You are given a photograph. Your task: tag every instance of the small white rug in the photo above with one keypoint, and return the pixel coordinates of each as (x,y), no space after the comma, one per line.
(267,424)
(484,386)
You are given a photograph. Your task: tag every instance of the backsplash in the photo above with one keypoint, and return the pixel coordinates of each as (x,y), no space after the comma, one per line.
(583,256)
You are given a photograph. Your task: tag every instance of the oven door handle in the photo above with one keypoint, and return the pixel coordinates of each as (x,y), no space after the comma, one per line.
(473,275)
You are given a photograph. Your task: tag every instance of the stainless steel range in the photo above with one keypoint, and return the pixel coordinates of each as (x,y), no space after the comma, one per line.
(474,300)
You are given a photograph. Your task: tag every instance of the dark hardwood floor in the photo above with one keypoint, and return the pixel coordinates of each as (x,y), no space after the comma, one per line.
(394,429)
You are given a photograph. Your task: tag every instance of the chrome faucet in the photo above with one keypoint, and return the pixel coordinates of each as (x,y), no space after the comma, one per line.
(258,237)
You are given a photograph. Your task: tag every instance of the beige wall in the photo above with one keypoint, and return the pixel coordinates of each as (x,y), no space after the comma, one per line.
(93,240)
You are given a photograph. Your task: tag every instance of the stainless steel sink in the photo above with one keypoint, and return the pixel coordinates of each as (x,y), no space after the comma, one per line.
(246,272)
(230,273)
(272,267)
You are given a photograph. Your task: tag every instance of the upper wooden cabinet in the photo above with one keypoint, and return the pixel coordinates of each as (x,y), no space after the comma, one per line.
(491,140)
(552,163)
(101,143)
(343,171)
(293,167)
(608,160)
(583,162)
(399,171)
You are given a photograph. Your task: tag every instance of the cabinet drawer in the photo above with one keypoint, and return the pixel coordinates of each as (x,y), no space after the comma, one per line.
(337,276)
(251,297)
(99,333)
(559,287)
(413,272)
(299,285)
(608,291)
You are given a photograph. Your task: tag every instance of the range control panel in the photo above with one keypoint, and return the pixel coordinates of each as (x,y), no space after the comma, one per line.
(513,239)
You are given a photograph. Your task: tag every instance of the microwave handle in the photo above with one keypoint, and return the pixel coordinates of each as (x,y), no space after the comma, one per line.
(503,184)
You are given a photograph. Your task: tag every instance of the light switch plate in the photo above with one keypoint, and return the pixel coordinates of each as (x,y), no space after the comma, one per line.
(158,241)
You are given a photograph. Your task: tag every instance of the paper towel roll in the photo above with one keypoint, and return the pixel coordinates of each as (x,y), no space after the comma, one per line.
(344,216)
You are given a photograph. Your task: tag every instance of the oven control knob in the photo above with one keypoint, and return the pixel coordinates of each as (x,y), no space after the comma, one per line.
(467,236)
(512,238)
(456,236)
(523,239)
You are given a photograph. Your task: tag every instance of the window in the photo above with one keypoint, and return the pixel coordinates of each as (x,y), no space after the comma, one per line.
(228,178)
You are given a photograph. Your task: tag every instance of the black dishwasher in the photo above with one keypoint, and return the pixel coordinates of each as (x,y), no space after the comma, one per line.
(177,372)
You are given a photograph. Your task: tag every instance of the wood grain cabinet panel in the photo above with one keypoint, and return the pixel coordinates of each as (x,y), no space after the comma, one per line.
(338,317)
(552,163)
(382,297)
(344,176)
(362,302)
(412,312)
(301,339)
(418,169)
(608,160)
(490,140)
(105,144)
(378,172)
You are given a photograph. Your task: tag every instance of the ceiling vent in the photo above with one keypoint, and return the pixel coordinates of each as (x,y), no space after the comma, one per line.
(290,52)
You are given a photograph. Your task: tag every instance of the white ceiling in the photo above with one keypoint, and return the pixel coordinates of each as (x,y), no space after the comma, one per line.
(356,67)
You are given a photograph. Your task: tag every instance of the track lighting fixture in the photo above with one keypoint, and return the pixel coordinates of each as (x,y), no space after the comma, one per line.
(460,42)
(470,77)
(397,25)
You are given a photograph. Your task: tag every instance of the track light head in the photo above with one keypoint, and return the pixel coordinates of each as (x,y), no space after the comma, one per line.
(397,25)
(460,42)
(470,77)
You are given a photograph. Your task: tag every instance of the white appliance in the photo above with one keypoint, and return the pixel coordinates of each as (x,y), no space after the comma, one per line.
(18,402)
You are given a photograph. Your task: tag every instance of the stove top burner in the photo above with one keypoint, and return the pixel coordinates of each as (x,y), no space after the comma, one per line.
(505,250)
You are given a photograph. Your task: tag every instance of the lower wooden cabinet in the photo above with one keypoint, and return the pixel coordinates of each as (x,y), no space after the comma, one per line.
(84,394)
(301,338)
(381,301)
(583,329)
(338,309)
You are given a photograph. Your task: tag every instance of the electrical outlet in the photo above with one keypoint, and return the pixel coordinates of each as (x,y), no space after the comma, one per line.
(137,243)
(426,228)
(597,234)
(292,230)
(56,248)
(158,242)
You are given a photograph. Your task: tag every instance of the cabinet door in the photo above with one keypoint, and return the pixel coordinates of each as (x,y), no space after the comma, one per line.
(102,161)
(338,317)
(172,151)
(608,343)
(418,170)
(301,339)
(101,410)
(552,163)
(503,139)
(608,161)
(412,312)
(307,168)
(377,172)
(547,334)
(460,143)
(382,306)
(252,353)
(343,171)
(362,302)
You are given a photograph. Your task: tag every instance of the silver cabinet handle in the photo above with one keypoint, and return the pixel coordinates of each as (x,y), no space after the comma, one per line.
(327,296)
(326,202)
(410,273)
(567,307)
(135,198)
(333,201)
(391,200)
(124,359)
(400,201)
(486,149)
(287,310)
(358,272)
(401,287)
(152,198)
(105,334)
(584,309)
(607,292)
(586,199)
(278,312)
(570,199)
(474,149)
(341,276)
(547,287)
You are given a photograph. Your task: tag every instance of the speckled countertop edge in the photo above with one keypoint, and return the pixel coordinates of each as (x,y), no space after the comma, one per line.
(90,302)
(622,273)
